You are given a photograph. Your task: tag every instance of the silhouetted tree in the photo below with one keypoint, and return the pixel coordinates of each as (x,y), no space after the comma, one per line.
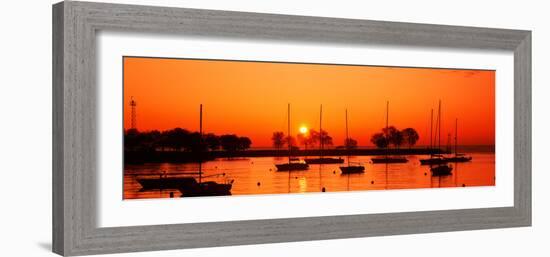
(278,139)
(194,143)
(350,143)
(290,141)
(410,136)
(178,139)
(394,136)
(212,141)
(229,143)
(313,138)
(317,138)
(379,140)
(244,143)
(141,141)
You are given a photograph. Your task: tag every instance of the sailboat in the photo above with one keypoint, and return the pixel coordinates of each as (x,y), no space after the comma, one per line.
(387,158)
(350,168)
(434,158)
(441,169)
(458,157)
(292,164)
(188,185)
(321,159)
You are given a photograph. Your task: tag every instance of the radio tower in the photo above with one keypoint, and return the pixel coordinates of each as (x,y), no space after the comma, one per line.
(133,105)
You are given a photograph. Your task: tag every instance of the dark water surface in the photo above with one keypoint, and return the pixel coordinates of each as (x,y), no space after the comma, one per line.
(258,175)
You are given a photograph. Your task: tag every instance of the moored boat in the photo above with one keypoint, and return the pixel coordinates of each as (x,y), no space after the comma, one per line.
(351,167)
(441,170)
(434,160)
(389,159)
(324,160)
(291,165)
(458,157)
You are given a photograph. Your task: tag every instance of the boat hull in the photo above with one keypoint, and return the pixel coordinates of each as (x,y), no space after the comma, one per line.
(324,160)
(207,189)
(292,166)
(165,183)
(389,160)
(441,170)
(352,169)
(459,159)
(433,161)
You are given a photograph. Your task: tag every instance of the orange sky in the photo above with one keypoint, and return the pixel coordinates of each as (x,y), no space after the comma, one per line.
(250,98)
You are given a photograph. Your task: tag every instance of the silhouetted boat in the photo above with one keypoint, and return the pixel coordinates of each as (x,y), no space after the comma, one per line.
(321,159)
(387,158)
(208,188)
(324,160)
(458,157)
(435,159)
(188,186)
(165,183)
(441,170)
(351,167)
(290,166)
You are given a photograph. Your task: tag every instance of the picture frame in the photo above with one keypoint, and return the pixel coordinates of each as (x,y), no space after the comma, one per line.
(75,24)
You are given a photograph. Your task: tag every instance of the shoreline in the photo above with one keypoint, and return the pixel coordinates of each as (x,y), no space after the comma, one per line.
(131,157)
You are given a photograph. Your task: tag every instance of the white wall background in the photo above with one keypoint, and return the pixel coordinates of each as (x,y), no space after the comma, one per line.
(25,128)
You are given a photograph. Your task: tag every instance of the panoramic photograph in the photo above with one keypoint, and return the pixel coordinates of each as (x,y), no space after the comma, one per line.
(199,127)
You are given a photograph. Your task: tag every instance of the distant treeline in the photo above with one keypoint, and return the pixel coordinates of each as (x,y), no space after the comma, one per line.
(387,136)
(182,140)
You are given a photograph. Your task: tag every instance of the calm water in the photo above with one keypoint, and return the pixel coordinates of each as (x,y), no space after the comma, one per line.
(259,176)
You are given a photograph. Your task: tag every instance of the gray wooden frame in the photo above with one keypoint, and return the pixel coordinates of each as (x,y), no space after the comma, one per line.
(75,25)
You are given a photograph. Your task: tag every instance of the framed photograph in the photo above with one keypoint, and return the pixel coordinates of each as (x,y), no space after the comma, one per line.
(183,128)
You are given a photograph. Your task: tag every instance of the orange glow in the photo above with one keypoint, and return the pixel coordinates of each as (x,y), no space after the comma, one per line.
(250,98)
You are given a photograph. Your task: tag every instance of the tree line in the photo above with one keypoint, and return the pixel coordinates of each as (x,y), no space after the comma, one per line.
(179,139)
(387,136)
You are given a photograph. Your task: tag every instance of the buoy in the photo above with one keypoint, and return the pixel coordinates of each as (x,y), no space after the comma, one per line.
(425,173)
(295,177)
(323,190)
(372,182)
(258,183)
(333,172)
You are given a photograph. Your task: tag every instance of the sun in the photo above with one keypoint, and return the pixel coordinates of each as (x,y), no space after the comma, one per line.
(303,129)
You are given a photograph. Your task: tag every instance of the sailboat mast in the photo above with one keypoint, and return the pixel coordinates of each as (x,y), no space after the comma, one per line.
(347,138)
(431,130)
(200,144)
(456,136)
(439,121)
(321,143)
(387,132)
(288,138)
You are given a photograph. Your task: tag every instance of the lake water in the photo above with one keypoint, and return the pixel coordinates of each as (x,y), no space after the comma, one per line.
(259,176)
